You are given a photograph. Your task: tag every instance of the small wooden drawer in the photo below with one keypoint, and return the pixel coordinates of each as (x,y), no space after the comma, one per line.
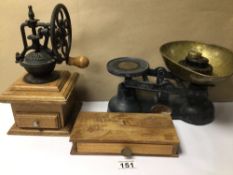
(37,120)
(125,149)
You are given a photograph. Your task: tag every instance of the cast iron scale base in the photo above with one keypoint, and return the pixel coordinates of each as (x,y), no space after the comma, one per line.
(185,100)
(181,91)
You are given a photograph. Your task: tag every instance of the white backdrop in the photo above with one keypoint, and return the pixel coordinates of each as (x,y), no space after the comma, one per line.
(204,150)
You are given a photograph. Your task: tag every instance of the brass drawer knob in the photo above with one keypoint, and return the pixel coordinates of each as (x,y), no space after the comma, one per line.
(126,152)
(35,124)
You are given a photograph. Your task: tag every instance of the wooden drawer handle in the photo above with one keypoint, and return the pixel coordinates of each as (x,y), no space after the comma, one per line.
(126,152)
(36,124)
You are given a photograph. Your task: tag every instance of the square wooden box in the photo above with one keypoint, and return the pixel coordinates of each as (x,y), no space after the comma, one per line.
(42,109)
(124,133)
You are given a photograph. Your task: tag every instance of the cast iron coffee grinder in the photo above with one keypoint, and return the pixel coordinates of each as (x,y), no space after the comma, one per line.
(38,59)
(182,91)
(44,101)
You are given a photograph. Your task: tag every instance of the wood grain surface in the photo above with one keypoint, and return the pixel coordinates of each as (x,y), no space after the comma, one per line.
(116,148)
(14,130)
(37,120)
(42,109)
(124,127)
(56,92)
(110,133)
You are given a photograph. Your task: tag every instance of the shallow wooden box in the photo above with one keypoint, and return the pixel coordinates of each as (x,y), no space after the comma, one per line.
(124,133)
(42,109)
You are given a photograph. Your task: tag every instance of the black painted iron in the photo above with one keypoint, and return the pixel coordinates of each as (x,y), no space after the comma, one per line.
(198,63)
(185,100)
(38,59)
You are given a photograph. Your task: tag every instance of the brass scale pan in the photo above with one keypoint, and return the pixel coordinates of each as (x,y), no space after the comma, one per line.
(218,62)
(219,58)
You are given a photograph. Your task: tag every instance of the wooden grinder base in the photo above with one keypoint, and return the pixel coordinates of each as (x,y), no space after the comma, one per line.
(43,109)
(14,130)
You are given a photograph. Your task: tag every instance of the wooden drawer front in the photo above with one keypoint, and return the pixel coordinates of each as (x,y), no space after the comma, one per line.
(36,120)
(117,148)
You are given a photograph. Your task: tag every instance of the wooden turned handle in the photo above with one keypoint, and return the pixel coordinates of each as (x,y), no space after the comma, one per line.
(80,61)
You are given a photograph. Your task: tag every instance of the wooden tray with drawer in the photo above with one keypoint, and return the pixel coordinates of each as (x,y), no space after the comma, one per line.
(124,133)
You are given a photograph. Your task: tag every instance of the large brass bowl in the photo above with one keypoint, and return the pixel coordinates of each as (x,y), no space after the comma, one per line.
(220,58)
